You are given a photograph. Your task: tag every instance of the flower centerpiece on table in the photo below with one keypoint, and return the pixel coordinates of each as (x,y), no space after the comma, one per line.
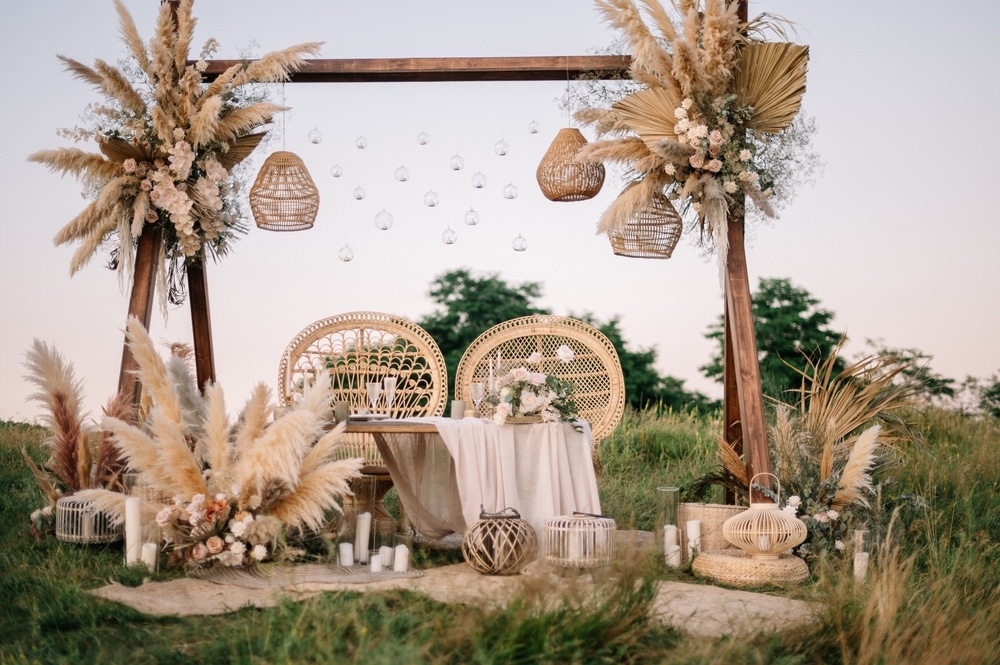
(169,145)
(522,393)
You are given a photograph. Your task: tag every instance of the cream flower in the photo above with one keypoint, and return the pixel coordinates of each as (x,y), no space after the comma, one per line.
(714,166)
(697,160)
(529,401)
(535,357)
(729,186)
(565,354)
(519,373)
(215,545)
(745,155)
(259,552)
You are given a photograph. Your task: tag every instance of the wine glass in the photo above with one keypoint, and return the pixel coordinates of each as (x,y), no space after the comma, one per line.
(374,391)
(389,385)
(477,390)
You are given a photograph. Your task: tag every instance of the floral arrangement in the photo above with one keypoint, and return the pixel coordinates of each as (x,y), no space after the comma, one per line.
(168,143)
(273,479)
(716,102)
(524,393)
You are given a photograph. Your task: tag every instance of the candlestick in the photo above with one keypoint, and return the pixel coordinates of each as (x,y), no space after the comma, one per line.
(693,537)
(150,553)
(361,536)
(346,554)
(133,530)
(401,559)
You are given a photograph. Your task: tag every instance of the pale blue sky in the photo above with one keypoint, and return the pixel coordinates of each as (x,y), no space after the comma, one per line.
(897,237)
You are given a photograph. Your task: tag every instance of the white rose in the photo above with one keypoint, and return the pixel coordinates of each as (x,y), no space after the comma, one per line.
(535,358)
(529,401)
(565,354)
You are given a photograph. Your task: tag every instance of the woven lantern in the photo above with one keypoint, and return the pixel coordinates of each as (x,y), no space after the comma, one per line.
(579,541)
(78,522)
(764,531)
(499,543)
(652,233)
(561,177)
(284,196)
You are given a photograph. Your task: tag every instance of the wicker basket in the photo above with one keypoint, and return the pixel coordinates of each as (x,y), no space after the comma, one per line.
(712,516)
(652,233)
(78,522)
(579,541)
(736,568)
(499,543)
(561,177)
(284,196)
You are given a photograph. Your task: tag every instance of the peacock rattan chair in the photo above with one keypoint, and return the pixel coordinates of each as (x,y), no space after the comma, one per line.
(355,348)
(595,371)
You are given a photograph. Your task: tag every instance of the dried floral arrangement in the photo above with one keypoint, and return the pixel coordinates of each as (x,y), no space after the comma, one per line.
(238,492)
(829,449)
(710,122)
(168,145)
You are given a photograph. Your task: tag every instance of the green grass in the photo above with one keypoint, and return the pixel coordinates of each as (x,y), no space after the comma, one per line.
(933,595)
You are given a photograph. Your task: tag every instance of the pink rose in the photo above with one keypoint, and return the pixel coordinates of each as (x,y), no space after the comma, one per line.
(129,165)
(697,160)
(715,166)
(146,185)
(715,137)
(199,551)
(151,216)
(215,545)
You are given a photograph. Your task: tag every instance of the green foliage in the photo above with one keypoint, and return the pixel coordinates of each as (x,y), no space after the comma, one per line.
(917,370)
(792,334)
(469,305)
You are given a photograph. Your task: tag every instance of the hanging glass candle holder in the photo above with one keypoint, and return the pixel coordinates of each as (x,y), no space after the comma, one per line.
(533,127)
(402,174)
(423,138)
(315,136)
(449,236)
(479,180)
(471,217)
(361,143)
(431,199)
(501,147)
(520,243)
(336,171)
(457,163)
(359,193)
(346,254)
(383,220)
(510,191)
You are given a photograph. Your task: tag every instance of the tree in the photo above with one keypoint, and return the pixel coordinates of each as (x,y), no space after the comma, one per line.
(469,306)
(792,334)
(917,370)
(644,386)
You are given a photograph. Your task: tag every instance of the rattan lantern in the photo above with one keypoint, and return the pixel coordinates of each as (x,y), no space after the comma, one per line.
(284,196)
(764,531)
(78,522)
(579,541)
(561,177)
(652,233)
(499,543)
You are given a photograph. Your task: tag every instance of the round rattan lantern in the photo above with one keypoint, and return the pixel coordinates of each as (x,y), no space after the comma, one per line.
(284,196)
(561,177)
(499,543)
(579,541)
(652,233)
(764,531)
(78,522)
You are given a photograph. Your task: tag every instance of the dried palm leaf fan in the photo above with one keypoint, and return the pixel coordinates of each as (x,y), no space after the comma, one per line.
(772,80)
(561,177)
(651,230)
(284,196)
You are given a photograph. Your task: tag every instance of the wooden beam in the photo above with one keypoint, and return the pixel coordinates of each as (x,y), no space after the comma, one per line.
(732,432)
(201,322)
(397,70)
(140,305)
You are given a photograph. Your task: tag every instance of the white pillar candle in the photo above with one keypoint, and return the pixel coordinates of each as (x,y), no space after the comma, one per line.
(401,559)
(133,530)
(346,554)
(693,537)
(375,563)
(860,566)
(87,518)
(361,536)
(669,537)
(386,553)
(575,545)
(674,556)
(150,552)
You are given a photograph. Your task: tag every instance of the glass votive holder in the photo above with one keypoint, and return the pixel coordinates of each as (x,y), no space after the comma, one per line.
(669,501)
(384,532)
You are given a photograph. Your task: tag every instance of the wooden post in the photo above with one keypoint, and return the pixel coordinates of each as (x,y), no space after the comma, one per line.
(201,322)
(732,432)
(140,305)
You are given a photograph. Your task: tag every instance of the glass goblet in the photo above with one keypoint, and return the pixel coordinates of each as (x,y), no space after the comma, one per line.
(389,386)
(477,391)
(374,392)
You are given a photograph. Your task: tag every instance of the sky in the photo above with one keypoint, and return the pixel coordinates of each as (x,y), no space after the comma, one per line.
(897,236)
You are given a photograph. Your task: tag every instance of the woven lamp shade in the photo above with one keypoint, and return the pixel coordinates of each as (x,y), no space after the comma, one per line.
(764,531)
(284,196)
(560,177)
(499,543)
(652,233)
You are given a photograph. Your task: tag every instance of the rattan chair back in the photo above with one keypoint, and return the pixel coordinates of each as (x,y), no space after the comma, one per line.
(355,348)
(595,371)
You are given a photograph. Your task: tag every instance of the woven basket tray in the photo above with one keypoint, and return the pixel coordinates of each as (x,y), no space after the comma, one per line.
(711,515)
(736,568)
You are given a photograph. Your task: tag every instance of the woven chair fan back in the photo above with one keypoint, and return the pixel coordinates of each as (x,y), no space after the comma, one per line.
(595,372)
(284,196)
(652,233)
(355,348)
(561,177)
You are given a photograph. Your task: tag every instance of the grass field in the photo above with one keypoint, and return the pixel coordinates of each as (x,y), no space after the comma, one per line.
(933,595)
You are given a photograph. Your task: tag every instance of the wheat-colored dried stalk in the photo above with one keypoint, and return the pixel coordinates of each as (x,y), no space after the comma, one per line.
(216,441)
(856,479)
(153,373)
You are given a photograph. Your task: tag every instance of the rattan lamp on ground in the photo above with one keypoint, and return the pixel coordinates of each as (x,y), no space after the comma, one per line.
(284,196)
(561,177)
(652,233)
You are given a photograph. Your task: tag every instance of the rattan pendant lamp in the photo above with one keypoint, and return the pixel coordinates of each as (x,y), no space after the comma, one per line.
(284,196)
(561,177)
(652,232)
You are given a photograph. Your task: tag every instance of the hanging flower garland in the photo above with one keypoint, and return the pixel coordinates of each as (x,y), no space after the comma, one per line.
(168,143)
(714,95)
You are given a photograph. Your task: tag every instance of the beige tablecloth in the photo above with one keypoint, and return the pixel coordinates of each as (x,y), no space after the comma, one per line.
(542,470)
